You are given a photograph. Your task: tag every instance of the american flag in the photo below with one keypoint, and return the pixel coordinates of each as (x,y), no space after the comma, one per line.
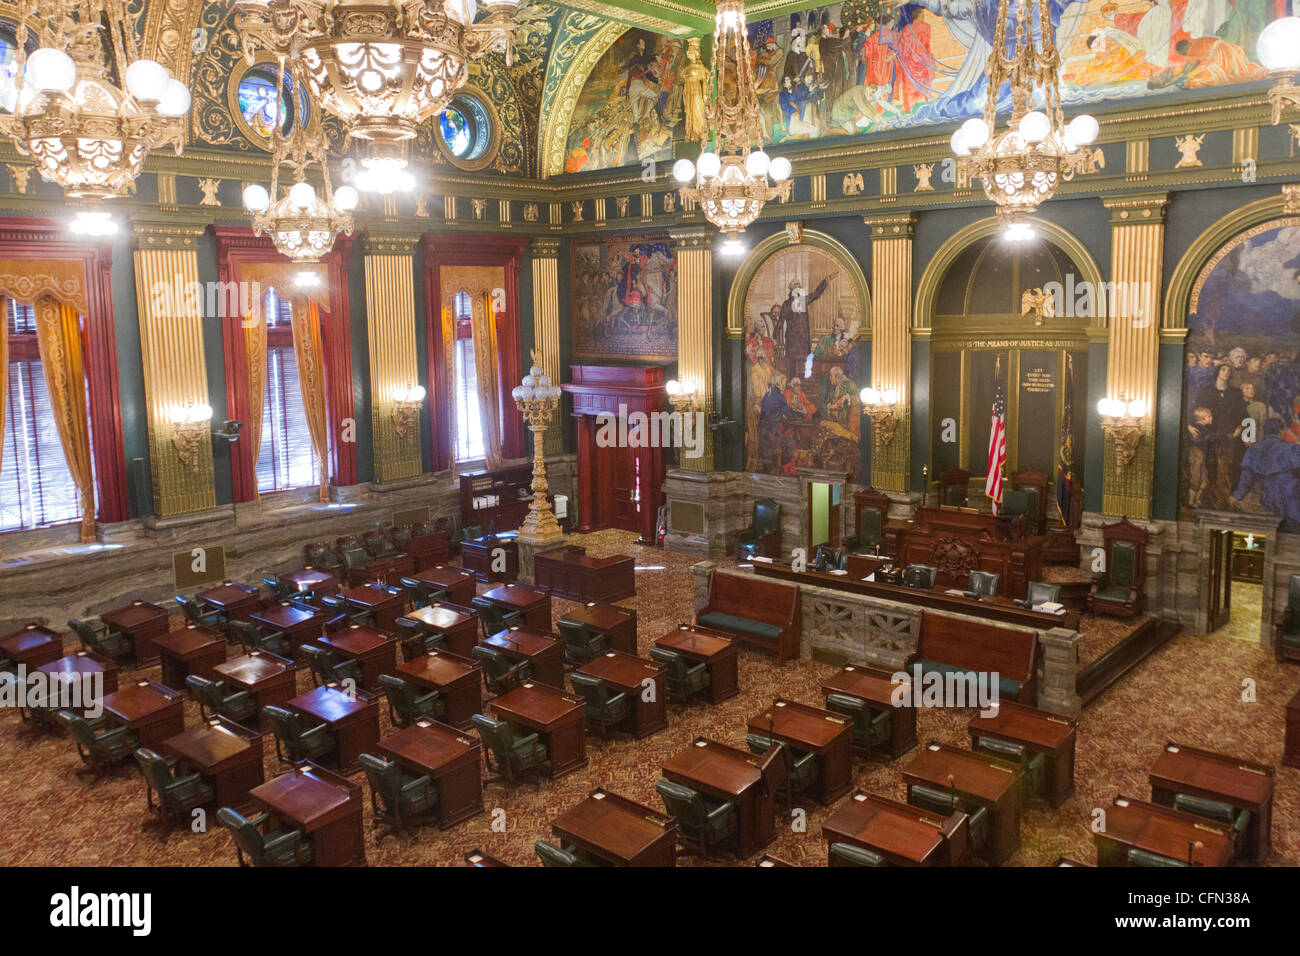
(997,440)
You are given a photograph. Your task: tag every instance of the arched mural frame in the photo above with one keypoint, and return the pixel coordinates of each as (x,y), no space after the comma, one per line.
(554,132)
(927,290)
(778,242)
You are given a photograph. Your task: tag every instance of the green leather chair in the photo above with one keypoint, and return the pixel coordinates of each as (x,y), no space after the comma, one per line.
(604,712)
(871,729)
(683,682)
(423,593)
(872,535)
(34,711)
(921,576)
(946,802)
(802,770)
(253,637)
(763,536)
(1015,504)
(101,751)
(354,561)
(581,644)
(117,647)
(1138,857)
(397,799)
(700,825)
(352,614)
(846,854)
(416,639)
(471,532)
(405,707)
(1040,592)
(493,619)
(294,741)
(212,696)
(1034,764)
(1219,812)
(177,796)
(983,583)
(326,670)
(513,754)
(827,558)
(276,848)
(196,615)
(1286,644)
(1116,592)
(282,591)
(552,855)
(500,675)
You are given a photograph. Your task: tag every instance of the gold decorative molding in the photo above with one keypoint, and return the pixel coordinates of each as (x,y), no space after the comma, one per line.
(695,333)
(390,326)
(546,322)
(553,137)
(64,280)
(164,235)
(376,245)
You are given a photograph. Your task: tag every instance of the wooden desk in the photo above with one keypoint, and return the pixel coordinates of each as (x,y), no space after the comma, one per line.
(227,755)
(459,626)
(384,603)
(1132,824)
(725,773)
(816,731)
(477,858)
(476,554)
(458,679)
(768,861)
(875,688)
(571,573)
(543,652)
(450,758)
(428,549)
(990,783)
(957,542)
(534,603)
(271,679)
(558,717)
(324,805)
(719,653)
(234,601)
(298,624)
(153,711)
(1202,773)
(1038,732)
(194,649)
(904,835)
(629,674)
(80,665)
(141,622)
(374,650)
(461,585)
(321,582)
(389,570)
(617,623)
(354,722)
(33,645)
(1291,752)
(619,831)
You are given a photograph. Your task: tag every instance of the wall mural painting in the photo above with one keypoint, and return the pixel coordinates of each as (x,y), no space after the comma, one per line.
(1242,378)
(625,298)
(863,65)
(803,364)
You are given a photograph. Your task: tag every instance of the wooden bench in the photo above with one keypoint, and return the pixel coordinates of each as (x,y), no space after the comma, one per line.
(755,611)
(960,644)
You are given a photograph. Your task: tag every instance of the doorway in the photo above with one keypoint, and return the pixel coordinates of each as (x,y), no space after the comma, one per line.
(618,475)
(1236,584)
(823,514)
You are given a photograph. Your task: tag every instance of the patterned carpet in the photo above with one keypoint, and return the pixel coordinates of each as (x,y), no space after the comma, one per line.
(1191,690)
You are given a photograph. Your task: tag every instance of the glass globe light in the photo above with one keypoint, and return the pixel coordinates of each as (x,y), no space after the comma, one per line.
(683,170)
(709,165)
(175,99)
(958,142)
(256,198)
(780,170)
(345,199)
(302,195)
(1083,129)
(1137,408)
(51,71)
(1278,46)
(976,133)
(758,163)
(1034,126)
(146,80)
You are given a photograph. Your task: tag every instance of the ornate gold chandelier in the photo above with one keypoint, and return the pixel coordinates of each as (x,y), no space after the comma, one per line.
(302,222)
(382,66)
(731,183)
(1022,166)
(81,130)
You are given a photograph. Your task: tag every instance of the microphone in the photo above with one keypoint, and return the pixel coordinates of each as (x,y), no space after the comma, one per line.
(952,785)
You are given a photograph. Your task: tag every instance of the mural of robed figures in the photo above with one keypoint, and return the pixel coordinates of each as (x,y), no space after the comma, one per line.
(1241,413)
(624,295)
(802,314)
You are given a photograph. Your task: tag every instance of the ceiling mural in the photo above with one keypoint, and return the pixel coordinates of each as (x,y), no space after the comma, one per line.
(866,65)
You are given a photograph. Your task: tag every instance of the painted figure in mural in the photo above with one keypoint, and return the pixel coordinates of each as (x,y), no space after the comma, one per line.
(842,397)
(794,322)
(836,343)
(1270,469)
(756,340)
(695,93)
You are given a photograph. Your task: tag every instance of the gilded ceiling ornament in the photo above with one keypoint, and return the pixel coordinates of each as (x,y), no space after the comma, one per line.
(21,176)
(853,184)
(1188,146)
(923,173)
(209,188)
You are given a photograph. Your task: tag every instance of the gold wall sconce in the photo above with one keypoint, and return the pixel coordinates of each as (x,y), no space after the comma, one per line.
(190,425)
(881,406)
(1122,421)
(682,395)
(406,409)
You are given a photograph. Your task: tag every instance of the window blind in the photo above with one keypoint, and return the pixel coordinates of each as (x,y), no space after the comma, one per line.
(286,459)
(469,425)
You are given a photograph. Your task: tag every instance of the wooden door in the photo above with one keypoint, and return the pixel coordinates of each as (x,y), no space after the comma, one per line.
(1220,580)
(627,489)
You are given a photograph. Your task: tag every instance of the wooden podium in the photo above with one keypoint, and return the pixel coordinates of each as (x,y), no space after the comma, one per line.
(958,541)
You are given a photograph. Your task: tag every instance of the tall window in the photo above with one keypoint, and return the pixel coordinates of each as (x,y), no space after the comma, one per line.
(286,459)
(469,425)
(36,487)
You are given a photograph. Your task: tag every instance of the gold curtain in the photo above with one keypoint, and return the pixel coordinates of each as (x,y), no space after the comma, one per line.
(309,349)
(484,325)
(255,355)
(58,335)
(449,355)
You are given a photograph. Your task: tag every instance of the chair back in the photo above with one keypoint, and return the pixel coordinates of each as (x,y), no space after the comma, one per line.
(490,614)
(247,633)
(399,693)
(1123,564)
(82,732)
(154,769)
(574,633)
(408,628)
(412,587)
(552,855)
(355,558)
(471,532)
(400,537)
(1015,502)
(190,609)
(285,724)
(767,515)
(494,663)
(850,706)
(316,554)
(684,804)
(592,689)
(954,495)
(920,576)
(206,692)
(247,837)
(1294,593)
(675,663)
(86,633)
(320,661)
(872,531)
(983,582)
(1040,592)
(384,776)
(496,735)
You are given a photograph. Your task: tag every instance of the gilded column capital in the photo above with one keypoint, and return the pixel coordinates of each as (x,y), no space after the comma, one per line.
(894,226)
(389,245)
(544,248)
(700,236)
(152,234)
(1136,210)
